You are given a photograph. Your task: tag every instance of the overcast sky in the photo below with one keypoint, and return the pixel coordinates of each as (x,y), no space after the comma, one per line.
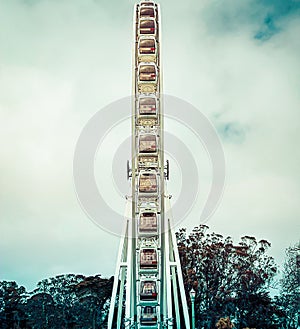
(62,61)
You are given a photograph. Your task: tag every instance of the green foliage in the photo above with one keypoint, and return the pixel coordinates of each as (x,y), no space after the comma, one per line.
(65,301)
(230,280)
(289,298)
(12,299)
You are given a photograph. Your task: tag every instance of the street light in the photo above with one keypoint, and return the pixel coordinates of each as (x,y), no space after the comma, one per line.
(192,296)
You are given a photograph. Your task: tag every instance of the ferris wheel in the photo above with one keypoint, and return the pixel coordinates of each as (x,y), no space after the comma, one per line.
(148,289)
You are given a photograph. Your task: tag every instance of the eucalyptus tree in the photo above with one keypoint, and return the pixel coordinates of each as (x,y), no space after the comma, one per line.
(230,280)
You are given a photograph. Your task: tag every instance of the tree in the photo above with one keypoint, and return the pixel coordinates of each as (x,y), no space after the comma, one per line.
(41,310)
(12,300)
(69,301)
(290,288)
(93,294)
(230,280)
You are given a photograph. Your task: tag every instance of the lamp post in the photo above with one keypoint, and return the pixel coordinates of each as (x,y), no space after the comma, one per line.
(192,296)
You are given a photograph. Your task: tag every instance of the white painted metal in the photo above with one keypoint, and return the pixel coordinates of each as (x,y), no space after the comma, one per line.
(153,254)
(122,263)
(177,265)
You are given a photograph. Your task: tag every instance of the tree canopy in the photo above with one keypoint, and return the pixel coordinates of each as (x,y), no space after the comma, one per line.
(230,279)
(64,301)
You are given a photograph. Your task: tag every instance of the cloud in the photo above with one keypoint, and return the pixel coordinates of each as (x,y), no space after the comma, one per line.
(262,19)
(249,89)
(61,61)
(53,78)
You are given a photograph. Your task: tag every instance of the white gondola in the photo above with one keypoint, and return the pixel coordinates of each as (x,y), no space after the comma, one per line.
(148,258)
(147,49)
(147,78)
(147,26)
(147,46)
(148,182)
(148,223)
(147,115)
(148,290)
(147,106)
(147,143)
(147,73)
(148,316)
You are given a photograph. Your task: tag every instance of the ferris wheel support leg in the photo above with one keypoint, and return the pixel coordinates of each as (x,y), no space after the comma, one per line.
(129,283)
(174,278)
(120,273)
(174,284)
(169,319)
(163,293)
(180,277)
(113,300)
(121,297)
